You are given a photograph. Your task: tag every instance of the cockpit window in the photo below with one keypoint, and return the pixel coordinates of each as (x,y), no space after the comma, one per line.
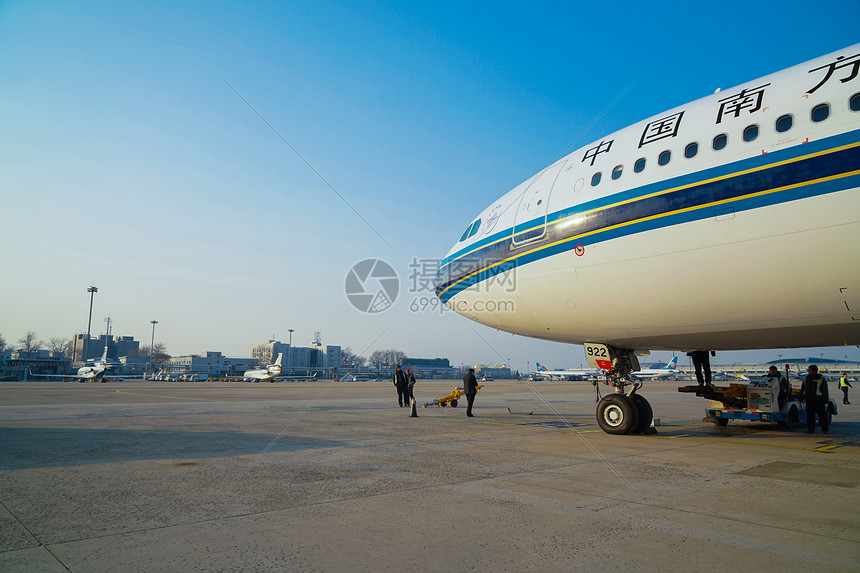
(466,233)
(475,226)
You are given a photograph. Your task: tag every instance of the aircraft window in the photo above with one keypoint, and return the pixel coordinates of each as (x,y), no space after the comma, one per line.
(854,102)
(466,233)
(784,123)
(639,166)
(720,141)
(475,227)
(820,112)
(664,157)
(691,150)
(595,179)
(616,173)
(750,133)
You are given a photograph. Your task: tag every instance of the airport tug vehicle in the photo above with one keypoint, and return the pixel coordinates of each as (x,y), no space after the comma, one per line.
(759,401)
(451,398)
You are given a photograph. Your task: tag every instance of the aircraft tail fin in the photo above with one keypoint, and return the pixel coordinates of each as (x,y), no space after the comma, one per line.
(673,364)
(540,368)
(280,357)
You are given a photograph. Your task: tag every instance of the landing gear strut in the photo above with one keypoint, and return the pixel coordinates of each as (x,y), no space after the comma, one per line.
(624,412)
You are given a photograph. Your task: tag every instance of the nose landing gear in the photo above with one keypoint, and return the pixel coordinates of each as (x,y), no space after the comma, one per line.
(624,412)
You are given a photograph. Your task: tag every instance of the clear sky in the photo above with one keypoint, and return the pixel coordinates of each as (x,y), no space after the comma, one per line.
(128,162)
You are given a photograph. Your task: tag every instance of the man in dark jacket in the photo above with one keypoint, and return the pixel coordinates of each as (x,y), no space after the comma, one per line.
(410,382)
(402,387)
(814,393)
(470,387)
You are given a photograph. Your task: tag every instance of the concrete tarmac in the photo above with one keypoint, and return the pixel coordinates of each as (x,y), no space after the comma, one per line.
(324,476)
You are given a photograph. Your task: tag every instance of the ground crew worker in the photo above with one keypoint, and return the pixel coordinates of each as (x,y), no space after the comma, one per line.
(814,393)
(470,388)
(702,362)
(784,388)
(402,387)
(410,381)
(845,385)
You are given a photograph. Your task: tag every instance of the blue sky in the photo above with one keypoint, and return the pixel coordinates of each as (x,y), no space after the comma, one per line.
(129,163)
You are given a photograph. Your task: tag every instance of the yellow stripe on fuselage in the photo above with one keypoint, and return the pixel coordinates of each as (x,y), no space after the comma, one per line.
(675,212)
(672,190)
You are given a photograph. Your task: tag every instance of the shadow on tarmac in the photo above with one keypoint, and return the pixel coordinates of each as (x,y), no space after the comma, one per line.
(27,448)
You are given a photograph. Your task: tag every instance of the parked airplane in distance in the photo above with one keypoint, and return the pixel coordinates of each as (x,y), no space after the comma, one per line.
(585,373)
(89,372)
(669,369)
(618,245)
(267,374)
(272,372)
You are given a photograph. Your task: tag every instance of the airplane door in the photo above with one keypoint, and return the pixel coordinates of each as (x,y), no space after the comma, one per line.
(530,218)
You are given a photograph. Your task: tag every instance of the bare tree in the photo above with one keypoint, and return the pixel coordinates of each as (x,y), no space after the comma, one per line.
(2,344)
(57,345)
(262,353)
(396,356)
(386,358)
(160,351)
(348,359)
(377,358)
(30,342)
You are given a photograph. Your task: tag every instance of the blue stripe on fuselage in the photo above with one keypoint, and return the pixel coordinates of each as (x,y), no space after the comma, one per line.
(670,202)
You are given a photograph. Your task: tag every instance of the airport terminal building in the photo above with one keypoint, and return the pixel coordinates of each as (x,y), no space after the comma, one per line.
(314,358)
(208,364)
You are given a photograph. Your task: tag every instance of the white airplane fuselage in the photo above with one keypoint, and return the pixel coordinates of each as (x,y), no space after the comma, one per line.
(93,371)
(663,236)
(266,374)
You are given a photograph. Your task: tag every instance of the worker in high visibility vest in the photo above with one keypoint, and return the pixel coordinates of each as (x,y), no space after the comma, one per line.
(845,385)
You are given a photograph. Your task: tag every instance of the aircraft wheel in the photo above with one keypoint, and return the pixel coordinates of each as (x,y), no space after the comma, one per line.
(617,414)
(454,403)
(443,404)
(646,414)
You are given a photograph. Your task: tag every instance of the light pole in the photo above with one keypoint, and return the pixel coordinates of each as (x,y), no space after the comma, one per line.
(92,290)
(152,347)
(290,352)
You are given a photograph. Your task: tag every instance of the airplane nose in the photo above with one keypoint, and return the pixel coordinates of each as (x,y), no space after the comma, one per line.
(452,270)
(441,281)
(458,273)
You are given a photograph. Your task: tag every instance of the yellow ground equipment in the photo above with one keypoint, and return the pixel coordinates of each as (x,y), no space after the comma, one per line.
(451,398)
